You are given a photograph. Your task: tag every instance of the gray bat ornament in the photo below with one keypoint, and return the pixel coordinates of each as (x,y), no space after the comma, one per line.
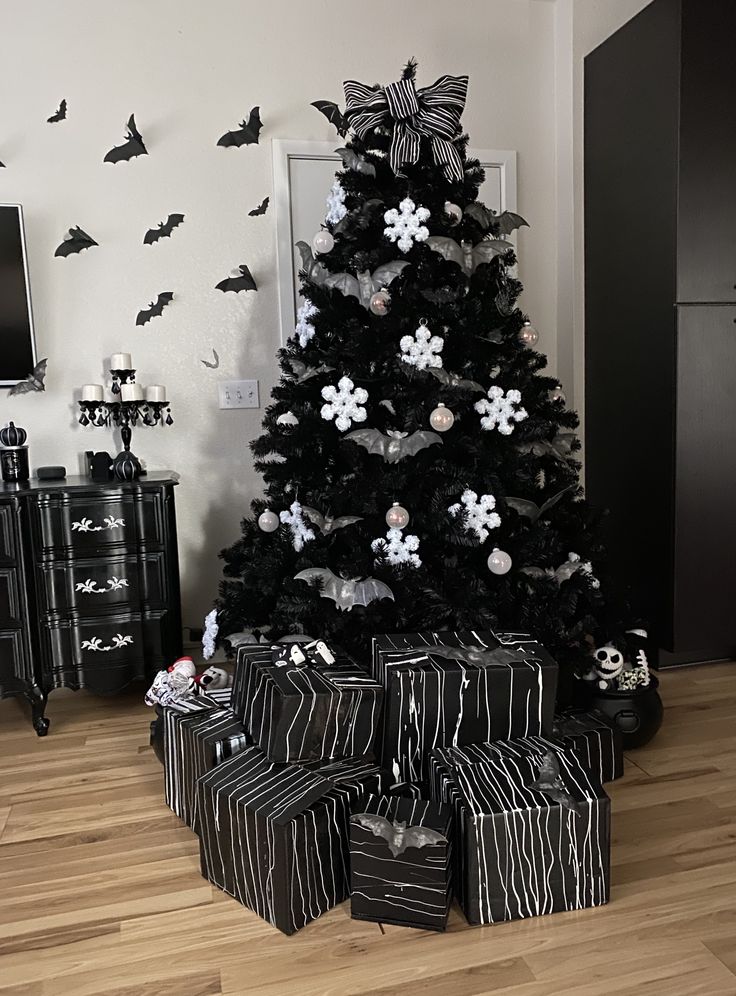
(313,269)
(533,511)
(466,255)
(478,655)
(325,523)
(34,381)
(353,160)
(346,592)
(397,835)
(550,782)
(365,284)
(561,447)
(455,380)
(301,372)
(395,445)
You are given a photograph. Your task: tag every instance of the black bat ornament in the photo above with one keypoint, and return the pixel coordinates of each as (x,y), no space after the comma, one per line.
(261,209)
(365,284)
(240,279)
(325,523)
(163,230)
(455,380)
(213,365)
(394,446)
(333,114)
(346,592)
(132,146)
(59,115)
(33,382)
(398,835)
(550,783)
(524,506)
(75,241)
(247,133)
(154,309)
(301,372)
(466,255)
(354,161)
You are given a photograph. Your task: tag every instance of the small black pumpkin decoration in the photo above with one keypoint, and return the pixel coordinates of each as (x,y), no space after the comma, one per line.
(13,435)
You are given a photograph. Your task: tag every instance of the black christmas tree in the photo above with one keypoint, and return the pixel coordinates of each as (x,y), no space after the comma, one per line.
(420,469)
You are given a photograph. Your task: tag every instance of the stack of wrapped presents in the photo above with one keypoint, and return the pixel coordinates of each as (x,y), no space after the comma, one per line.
(444,773)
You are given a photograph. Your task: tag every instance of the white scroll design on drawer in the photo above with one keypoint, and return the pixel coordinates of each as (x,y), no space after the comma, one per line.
(89,587)
(96,643)
(85,525)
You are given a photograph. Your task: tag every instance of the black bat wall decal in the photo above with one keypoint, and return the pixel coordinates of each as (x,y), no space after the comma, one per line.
(333,114)
(397,835)
(365,284)
(33,382)
(154,309)
(240,279)
(163,230)
(353,160)
(466,255)
(132,146)
(550,782)
(261,209)
(395,445)
(325,523)
(247,133)
(2,166)
(75,240)
(216,364)
(59,115)
(346,592)
(455,380)
(531,510)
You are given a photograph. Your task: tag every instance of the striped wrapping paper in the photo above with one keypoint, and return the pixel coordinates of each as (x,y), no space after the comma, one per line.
(275,836)
(412,888)
(520,853)
(596,740)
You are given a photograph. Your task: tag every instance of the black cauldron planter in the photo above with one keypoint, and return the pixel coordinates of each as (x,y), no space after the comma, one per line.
(638,712)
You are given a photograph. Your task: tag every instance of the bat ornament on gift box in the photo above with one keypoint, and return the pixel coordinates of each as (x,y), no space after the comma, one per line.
(346,592)
(551,784)
(397,835)
(477,655)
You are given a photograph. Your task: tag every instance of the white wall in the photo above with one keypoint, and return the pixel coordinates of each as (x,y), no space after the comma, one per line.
(190,70)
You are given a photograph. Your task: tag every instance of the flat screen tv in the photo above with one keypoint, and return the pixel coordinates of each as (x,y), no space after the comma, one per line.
(17,342)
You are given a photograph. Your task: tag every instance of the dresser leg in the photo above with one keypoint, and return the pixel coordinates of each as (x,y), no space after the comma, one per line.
(38,699)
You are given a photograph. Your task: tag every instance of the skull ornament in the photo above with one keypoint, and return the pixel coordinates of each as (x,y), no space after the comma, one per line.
(608,664)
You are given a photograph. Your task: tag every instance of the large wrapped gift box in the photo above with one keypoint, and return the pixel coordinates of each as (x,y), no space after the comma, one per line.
(194,742)
(459,687)
(275,836)
(304,713)
(596,740)
(523,849)
(400,862)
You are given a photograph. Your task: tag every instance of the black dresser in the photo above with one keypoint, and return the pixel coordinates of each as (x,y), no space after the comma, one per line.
(89,586)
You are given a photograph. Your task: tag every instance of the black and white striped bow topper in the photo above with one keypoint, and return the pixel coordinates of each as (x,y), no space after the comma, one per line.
(433,111)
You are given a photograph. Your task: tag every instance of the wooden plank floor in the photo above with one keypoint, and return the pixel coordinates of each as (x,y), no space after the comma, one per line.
(100,891)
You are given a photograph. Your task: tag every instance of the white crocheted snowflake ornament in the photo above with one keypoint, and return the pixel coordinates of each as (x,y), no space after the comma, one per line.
(478,512)
(209,637)
(398,549)
(405,225)
(500,410)
(336,209)
(300,531)
(344,403)
(304,328)
(421,350)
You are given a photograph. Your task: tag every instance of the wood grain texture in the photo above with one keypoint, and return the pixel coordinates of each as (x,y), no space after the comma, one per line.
(100,890)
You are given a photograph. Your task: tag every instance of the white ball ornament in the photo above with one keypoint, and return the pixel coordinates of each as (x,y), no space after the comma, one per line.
(397,517)
(268,521)
(380,303)
(499,562)
(557,394)
(529,335)
(441,419)
(453,212)
(323,242)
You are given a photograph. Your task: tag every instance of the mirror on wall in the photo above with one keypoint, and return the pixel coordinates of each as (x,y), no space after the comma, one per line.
(17,341)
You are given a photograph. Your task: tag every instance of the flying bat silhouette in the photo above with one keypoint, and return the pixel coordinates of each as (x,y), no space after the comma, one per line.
(466,255)
(261,209)
(506,222)
(550,782)
(478,655)
(2,166)
(365,284)
(154,309)
(132,146)
(395,445)
(561,447)
(240,279)
(397,835)
(313,269)
(325,523)
(33,382)
(215,365)
(74,241)
(533,511)
(246,133)
(346,592)
(163,230)
(353,160)
(301,372)
(58,115)
(333,114)
(455,380)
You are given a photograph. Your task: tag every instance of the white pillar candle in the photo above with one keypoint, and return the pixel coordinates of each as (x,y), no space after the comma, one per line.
(155,392)
(91,392)
(131,392)
(121,361)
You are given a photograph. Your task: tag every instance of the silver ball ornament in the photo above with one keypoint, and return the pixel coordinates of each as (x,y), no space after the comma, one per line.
(323,241)
(453,212)
(557,394)
(380,302)
(441,419)
(529,335)
(499,562)
(268,521)
(397,517)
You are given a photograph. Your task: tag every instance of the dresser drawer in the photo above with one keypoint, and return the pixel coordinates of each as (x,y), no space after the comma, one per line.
(7,544)
(14,662)
(10,610)
(95,524)
(98,586)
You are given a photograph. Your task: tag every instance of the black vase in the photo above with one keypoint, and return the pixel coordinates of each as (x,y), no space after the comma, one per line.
(638,714)
(157,734)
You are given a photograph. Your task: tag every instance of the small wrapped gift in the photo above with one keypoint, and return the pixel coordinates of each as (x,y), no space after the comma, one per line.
(309,710)
(400,861)
(459,688)
(275,836)
(596,740)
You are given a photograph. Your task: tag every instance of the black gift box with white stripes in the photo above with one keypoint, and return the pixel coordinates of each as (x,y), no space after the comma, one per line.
(397,874)
(596,740)
(275,836)
(304,713)
(431,700)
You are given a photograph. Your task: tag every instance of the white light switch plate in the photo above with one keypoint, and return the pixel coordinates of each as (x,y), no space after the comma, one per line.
(238,394)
